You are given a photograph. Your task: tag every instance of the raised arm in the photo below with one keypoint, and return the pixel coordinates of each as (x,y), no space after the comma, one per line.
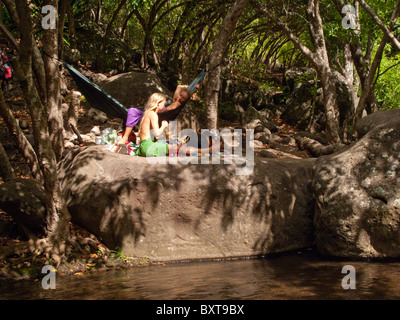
(181,95)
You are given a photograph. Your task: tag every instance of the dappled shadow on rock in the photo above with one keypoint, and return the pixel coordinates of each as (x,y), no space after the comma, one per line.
(179,211)
(357,194)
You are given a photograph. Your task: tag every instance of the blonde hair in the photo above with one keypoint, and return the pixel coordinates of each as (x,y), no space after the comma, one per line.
(151,105)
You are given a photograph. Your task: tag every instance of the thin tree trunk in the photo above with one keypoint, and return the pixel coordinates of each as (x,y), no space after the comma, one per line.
(174,43)
(367,85)
(98,11)
(107,32)
(363,62)
(73,110)
(51,64)
(38,65)
(6,171)
(57,214)
(388,36)
(125,25)
(71,26)
(19,138)
(61,23)
(348,71)
(319,60)
(217,54)
(328,84)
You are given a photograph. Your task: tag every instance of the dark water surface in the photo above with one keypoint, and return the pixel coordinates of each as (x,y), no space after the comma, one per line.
(291,276)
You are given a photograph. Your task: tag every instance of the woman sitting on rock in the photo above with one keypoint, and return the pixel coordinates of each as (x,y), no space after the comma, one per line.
(148,147)
(181,94)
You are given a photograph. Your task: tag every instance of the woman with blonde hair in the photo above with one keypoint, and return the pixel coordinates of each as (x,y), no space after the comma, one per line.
(150,122)
(182,93)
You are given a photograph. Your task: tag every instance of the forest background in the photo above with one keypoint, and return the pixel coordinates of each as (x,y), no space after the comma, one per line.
(248,41)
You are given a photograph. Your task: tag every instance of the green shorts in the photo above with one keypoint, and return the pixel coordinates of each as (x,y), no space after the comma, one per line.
(149,148)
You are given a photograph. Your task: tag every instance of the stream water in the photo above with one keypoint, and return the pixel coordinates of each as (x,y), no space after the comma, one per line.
(298,275)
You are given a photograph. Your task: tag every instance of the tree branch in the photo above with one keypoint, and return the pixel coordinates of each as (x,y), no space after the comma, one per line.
(9,36)
(296,41)
(381,25)
(22,143)
(6,171)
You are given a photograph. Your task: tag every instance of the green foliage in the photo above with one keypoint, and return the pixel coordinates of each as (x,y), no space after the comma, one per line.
(312,80)
(227,111)
(258,50)
(118,254)
(387,88)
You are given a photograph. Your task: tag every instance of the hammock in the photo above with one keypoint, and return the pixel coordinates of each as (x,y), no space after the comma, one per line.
(102,101)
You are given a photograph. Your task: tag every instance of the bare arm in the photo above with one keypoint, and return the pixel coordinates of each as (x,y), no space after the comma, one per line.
(178,99)
(154,125)
(172,106)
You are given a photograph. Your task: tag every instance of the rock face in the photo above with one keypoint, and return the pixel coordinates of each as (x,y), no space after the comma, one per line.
(134,88)
(305,102)
(347,203)
(375,119)
(24,200)
(187,211)
(357,193)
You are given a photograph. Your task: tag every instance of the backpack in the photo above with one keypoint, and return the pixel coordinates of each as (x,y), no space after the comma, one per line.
(6,71)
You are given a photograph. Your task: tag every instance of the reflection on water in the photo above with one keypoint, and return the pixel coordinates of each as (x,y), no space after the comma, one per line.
(291,276)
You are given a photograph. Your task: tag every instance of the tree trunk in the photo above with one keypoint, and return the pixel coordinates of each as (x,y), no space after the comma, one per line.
(214,67)
(348,72)
(319,60)
(57,214)
(24,147)
(316,148)
(107,32)
(73,110)
(38,65)
(71,27)
(6,171)
(98,11)
(367,85)
(60,25)
(56,126)
(362,62)
(368,82)
(328,84)
(144,61)
(175,43)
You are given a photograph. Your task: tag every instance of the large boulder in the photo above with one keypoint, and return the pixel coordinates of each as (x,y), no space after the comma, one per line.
(295,75)
(357,194)
(253,118)
(187,211)
(366,124)
(304,103)
(134,88)
(243,93)
(24,200)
